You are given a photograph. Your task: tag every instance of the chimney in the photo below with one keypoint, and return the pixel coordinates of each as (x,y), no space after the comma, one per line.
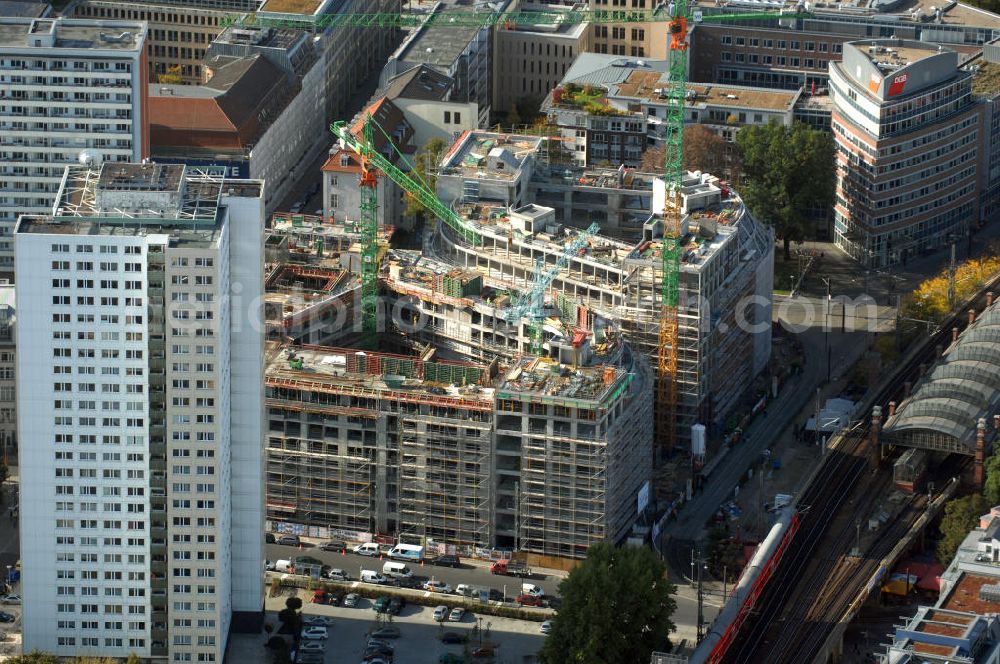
(954,337)
(989,298)
(996,422)
(972,316)
(907,389)
(876,451)
(892,408)
(978,474)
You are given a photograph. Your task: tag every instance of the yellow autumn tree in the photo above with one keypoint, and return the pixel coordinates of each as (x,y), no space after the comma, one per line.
(930,299)
(171,77)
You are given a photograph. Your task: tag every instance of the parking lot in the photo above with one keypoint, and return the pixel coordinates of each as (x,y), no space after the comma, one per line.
(515,641)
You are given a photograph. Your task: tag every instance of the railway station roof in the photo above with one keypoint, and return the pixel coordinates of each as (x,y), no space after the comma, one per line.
(964,386)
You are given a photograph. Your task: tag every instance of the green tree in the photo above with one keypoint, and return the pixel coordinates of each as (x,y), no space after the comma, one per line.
(425,170)
(514,116)
(960,516)
(291,619)
(33,657)
(616,609)
(789,171)
(991,487)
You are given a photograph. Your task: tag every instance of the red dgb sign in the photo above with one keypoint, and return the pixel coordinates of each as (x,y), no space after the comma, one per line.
(897,85)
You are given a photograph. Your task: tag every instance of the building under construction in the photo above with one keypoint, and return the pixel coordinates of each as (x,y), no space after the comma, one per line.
(533,454)
(726,274)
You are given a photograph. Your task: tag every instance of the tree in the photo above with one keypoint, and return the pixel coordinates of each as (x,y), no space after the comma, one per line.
(991,487)
(171,77)
(425,171)
(704,150)
(616,609)
(33,657)
(133,659)
(789,171)
(513,116)
(960,516)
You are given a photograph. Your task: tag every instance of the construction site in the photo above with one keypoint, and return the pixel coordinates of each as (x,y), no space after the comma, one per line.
(502,395)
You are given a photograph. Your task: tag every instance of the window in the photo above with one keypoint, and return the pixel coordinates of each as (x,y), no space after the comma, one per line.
(447,117)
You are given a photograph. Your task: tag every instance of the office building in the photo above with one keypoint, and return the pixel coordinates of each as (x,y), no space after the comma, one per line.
(141,400)
(8,369)
(178,37)
(464,54)
(531,59)
(257,113)
(910,140)
(66,86)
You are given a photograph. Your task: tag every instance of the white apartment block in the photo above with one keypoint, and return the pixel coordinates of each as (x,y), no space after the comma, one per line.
(141,386)
(66,85)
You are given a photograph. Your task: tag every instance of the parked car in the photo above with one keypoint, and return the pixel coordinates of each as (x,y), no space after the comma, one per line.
(454,637)
(378,643)
(6,617)
(314,632)
(313,621)
(495,595)
(484,651)
(308,560)
(381,605)
(437,587)
(447,560)
(312,646)
(310,658)
(456,614)
(352,600)
(10,599)
(377,660)
(412,582)
(269,538)
(387,632)
(546,627)
(366,549)
(289,540)
(396,605)
(333,545)
(268,565)
(529,600)
(336,574)
(378,651)
(441,613)
(451,658)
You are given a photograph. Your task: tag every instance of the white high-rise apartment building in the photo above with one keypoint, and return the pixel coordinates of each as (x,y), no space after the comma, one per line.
(141,383)
(66,85)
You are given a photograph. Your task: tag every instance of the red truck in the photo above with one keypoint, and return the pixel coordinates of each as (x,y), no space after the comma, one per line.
(510,568)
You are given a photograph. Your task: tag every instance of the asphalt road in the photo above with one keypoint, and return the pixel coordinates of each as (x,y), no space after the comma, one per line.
(472,575)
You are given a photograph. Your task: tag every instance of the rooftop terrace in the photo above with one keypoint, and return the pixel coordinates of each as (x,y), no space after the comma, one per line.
(489,155)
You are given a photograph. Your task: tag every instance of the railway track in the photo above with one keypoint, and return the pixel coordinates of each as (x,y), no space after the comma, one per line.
(817,579)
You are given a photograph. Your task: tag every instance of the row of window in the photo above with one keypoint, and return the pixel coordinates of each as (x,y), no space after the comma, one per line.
(780,60)
(793,44)
(104,249)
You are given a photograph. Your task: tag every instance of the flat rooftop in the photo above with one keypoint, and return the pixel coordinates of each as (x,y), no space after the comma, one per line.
(107,35)
(890,55)
(649,86)
(545,377)
(350,369)
(490,155)
(305,7)
(959,14)
(985,77)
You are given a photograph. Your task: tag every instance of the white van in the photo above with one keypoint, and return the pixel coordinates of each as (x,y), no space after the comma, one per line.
(396,570)
(531,589)
(366,549)
(371,576)
(283,566)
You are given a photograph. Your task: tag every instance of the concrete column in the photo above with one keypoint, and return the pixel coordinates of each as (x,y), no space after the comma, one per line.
(978,472)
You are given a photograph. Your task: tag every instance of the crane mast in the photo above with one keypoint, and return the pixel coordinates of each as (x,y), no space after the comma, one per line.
(666,379)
